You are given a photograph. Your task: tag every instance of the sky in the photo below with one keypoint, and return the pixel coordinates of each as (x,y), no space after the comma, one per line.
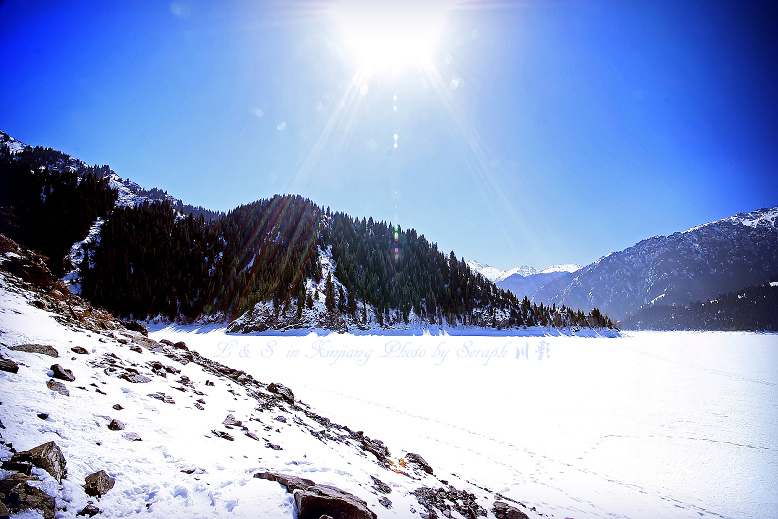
(513,133)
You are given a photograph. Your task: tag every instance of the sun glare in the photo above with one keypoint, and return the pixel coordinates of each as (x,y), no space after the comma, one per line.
(389,35)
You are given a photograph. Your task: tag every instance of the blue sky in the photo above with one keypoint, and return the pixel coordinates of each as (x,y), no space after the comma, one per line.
(539,132)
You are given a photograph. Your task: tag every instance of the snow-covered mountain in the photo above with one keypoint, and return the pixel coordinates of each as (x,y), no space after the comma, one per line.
(697,264)
(130,193)
(523,280)
(497,275)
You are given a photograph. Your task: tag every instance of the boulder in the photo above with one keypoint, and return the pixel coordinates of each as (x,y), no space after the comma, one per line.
(180,345)
(224,435)
(136,326)
(18,495)
(503,510)
(59,387)
(62,373)
(42,349)
(419,461)
(98,484)
(135,378)
(314,501)
(89,510)
(47,456)
(132,436)
(116,425)
(231,421)
(8,365)
(283,391)
(166,342)
(80,350)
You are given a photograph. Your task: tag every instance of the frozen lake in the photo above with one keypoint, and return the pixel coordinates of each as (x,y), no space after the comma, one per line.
(670,424)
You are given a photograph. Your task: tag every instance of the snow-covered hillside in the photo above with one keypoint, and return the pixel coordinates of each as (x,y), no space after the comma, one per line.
(695,265)
(131,425)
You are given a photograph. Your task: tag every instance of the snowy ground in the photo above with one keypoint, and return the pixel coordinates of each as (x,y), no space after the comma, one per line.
(651,425)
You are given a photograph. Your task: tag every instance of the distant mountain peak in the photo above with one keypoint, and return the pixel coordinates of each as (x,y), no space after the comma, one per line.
(566,267)
(497,275)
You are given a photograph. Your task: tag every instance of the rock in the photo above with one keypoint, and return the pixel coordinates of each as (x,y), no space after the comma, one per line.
(116,425)
(280,418)
(273,446)
(18,495)
(503,510)
(166,342)
(118,407)
(47,456)
(283,391)
(231,421)
(136,326)
(132,436)
(314,501)
(208,383)
(37,303)
(419,461)
(89,510)
(98,484)
(199,406)
(8,365)
(385,502)
(380,486)
(252,435)
(180,345)
(59,387)
(43,416)
(162,396)
(62,373)
(136,348)
(80,350)
(36,348)
(135,378)
(376,447)
(17,466)
(222,434)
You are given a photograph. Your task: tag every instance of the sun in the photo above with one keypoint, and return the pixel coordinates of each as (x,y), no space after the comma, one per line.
(389,35)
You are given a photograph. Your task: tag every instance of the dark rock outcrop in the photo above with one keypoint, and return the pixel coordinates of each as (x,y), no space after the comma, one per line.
(283,391)
(42,349)
(314,501)
(47,456)
(446,499)
(503,510)
(136,326)
(8,365)
(419,461)
(98,484)
(18,495)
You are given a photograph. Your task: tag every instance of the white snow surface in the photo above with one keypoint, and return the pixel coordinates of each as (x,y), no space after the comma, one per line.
(567,267)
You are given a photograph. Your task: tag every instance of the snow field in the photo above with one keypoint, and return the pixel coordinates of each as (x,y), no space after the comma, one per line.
(672,424)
